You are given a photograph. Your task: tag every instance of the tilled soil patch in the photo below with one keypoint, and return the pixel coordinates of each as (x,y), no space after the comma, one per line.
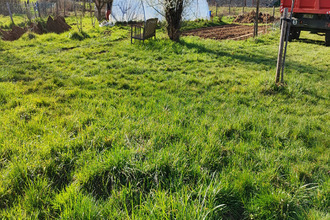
(230,31)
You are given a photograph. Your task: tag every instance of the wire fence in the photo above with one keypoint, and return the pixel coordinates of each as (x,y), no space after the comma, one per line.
(34,9)
(237,9)
(21,13)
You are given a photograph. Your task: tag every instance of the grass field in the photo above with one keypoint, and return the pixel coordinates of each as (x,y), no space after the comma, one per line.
(102,129)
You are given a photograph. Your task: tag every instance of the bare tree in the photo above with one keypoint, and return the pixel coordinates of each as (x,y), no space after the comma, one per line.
(99,5)
(84,7)
(129,10)
(173,16)
(172,10)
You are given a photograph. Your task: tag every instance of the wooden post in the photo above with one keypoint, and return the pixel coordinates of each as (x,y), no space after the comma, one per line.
(11,16)
(216,8)
(244,6)
(256,20)
(84,8)
(274,11)
(57,2)
(229,6)
(280,49)
(27,8)
(286,41)
(74,9)
(91,13)
(266,23)
(34,9)
(38,8)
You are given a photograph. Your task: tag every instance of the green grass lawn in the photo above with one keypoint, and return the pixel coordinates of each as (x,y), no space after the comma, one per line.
(102,129)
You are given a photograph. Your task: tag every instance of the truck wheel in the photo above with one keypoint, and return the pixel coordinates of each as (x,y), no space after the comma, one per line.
(297,35)
(290,38)
(294,34)
(327,39)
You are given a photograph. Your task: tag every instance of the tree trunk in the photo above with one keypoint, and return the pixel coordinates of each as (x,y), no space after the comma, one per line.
(84,7)
(256,20)
(99,5)
(173,15)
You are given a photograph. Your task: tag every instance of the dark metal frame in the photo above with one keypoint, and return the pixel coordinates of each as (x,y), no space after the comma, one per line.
(139,32)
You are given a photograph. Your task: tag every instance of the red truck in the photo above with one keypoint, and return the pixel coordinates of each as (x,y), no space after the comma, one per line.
(309,15)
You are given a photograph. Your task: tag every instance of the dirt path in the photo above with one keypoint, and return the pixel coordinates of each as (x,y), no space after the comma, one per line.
(230,31)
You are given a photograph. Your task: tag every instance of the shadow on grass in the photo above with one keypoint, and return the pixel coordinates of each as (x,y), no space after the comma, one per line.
(266,60)
(310,41)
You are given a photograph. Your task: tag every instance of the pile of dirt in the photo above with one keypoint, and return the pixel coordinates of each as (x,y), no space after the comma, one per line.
(56,25)
(250,17)
(14,34)
(37,28)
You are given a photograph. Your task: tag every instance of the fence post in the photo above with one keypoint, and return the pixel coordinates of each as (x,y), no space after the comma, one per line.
(266,23)
(38,8)
(216,8)
(84,7)
(274,11)
(280,49)
(34,9)
(256,20)
(229,6)
(11,16)
(27,11)
(57,2)
(286,40)
(91,13)
(244,6)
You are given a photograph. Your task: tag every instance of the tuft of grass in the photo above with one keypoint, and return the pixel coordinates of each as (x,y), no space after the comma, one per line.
(79,36)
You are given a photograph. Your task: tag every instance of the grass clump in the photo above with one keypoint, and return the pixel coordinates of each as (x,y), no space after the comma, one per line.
(79,36)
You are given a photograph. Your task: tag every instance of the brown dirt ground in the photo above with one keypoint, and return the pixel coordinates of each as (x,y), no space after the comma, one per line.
(230,31)
(57,25)
(14,34)
(36,28)
(250,17)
